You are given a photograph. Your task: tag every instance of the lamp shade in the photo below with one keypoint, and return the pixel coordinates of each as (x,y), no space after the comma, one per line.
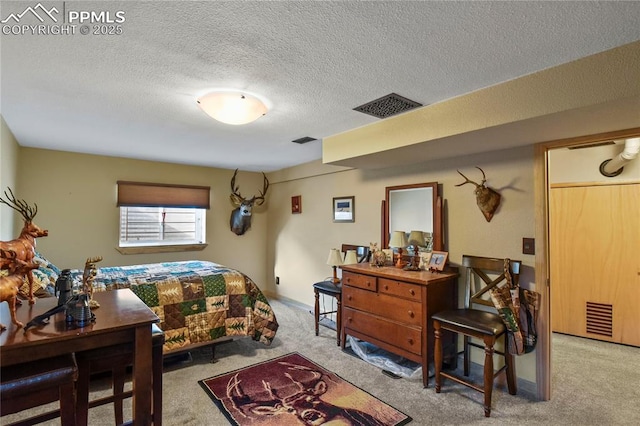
(398,239)
(350,257)
(335,259)
(416,238)
(232,107)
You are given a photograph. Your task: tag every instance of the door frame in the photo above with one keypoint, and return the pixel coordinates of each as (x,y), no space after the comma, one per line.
(542,262)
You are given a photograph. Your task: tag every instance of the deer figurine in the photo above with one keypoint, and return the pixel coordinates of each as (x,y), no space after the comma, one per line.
(25,245)
(240,219)
(10,284)
(487,199)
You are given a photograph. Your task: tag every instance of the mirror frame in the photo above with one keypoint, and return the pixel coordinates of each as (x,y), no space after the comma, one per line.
(437,213)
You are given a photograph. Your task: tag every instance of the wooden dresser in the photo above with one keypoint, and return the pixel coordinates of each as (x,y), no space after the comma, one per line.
(392,309)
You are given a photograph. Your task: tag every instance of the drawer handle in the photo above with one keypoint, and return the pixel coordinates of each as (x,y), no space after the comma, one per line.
(386,287)
(349,297)
(349,319)
(368,284)
(412,292)
(348,279)
(410,341)
(411,314)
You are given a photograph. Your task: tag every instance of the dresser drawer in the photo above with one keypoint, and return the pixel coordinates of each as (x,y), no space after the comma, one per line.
(399,335)
(390,307)
(401,289)
(366,282)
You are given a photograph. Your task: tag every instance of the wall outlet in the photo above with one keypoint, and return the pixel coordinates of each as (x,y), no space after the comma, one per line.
(277,280)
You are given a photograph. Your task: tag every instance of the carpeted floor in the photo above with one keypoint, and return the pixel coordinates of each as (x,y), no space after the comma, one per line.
(594,383)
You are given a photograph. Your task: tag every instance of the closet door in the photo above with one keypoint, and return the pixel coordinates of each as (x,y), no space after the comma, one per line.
(595,261)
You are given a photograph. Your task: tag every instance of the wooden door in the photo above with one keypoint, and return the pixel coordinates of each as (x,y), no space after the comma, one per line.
(595,261)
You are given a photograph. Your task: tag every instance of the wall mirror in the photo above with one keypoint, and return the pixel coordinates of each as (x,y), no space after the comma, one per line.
(414,207)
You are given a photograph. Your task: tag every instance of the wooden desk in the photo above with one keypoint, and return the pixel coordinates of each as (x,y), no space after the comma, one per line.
(121,318)
(392,308)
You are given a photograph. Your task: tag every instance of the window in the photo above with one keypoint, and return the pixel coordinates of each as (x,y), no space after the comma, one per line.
(161,214)
(161,225)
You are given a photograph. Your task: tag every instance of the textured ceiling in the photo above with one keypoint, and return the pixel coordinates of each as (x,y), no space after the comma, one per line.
(133,95)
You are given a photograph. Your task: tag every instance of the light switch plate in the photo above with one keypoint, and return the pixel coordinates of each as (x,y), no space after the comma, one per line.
(528,246)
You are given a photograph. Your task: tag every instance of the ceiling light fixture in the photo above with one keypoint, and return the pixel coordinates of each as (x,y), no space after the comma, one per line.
(232,107)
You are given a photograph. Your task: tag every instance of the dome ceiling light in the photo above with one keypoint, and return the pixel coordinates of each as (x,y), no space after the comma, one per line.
(232,107)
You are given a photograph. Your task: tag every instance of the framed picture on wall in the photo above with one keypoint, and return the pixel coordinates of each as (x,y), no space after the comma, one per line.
(438,260)
(344,209)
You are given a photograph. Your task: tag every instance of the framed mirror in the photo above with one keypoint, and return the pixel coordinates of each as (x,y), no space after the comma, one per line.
(415,207)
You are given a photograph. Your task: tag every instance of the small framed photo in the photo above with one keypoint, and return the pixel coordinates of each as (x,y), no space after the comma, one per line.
(438,260)
(344,209)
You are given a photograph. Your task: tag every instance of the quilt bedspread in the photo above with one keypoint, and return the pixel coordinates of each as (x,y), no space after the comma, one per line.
(196,301)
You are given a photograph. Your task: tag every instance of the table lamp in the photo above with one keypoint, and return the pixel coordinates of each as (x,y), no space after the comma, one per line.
(350,257)
(416,240)
(334,260)
(399,241)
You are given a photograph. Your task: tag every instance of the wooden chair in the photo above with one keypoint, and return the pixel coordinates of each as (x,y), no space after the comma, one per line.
(29,385)
(335,290)
(479,324)
(116,360)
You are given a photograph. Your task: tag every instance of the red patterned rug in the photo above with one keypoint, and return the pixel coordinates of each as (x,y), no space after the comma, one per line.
(292,390)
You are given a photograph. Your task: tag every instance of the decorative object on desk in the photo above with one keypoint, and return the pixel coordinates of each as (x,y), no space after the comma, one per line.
(24,246)
(438,260)
(241,216)
(425,257)
(88,276)
(9,284)
(344,209)
(296,204)
(334,260)
(399,241)
(378,257)
(416,240)
(487,199)
(292,389)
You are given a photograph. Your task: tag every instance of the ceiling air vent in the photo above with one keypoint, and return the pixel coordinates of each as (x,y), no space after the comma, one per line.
(304,140)
(600,319)
(387,106)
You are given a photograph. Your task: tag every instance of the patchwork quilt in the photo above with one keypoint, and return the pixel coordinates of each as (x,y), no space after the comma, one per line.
(196,301)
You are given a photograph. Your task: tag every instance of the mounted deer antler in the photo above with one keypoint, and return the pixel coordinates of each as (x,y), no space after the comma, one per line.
(241,216)
(25,245)
(487,199)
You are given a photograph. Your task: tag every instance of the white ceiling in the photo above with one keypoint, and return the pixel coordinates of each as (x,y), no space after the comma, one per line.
(133,95)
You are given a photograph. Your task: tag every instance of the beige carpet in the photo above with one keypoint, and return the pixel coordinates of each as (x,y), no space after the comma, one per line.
(594,383)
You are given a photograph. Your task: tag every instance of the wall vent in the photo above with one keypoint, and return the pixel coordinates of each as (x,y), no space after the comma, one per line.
(593,145)
(304,140)
(600,319)
(387,106)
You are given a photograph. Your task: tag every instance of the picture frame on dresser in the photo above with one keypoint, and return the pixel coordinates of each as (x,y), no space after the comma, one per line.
(438,260)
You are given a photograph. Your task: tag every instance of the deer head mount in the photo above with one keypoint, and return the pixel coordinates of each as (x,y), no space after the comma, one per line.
(24,247)
(241,216)
(487,199)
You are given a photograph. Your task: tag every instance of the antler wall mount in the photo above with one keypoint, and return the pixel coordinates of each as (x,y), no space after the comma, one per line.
(487,198)
(240,219)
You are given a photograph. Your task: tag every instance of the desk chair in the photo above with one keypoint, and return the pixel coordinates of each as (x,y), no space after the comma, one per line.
(116,359)
(35,383)
(335,290)
(479,324)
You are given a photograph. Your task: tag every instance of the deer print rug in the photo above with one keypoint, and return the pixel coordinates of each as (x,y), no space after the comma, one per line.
(293,390)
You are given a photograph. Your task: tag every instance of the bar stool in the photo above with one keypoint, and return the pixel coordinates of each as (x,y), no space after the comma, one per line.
(116,359)
(29,385)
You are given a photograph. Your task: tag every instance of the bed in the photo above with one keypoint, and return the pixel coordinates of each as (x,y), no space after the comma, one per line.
(198,302)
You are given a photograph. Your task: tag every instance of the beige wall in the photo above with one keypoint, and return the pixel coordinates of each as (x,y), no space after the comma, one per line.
(300,242)
(8,176)
(76,197)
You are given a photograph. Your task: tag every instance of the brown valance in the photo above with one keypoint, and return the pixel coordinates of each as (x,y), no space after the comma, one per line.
(145,194)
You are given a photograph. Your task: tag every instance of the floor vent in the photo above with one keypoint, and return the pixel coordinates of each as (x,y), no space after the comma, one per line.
(600,319)
(387,106)
(304,140)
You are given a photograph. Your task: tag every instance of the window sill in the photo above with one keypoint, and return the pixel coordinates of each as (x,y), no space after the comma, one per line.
(161,249)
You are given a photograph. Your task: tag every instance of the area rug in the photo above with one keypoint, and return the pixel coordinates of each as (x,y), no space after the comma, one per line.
(293,390)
